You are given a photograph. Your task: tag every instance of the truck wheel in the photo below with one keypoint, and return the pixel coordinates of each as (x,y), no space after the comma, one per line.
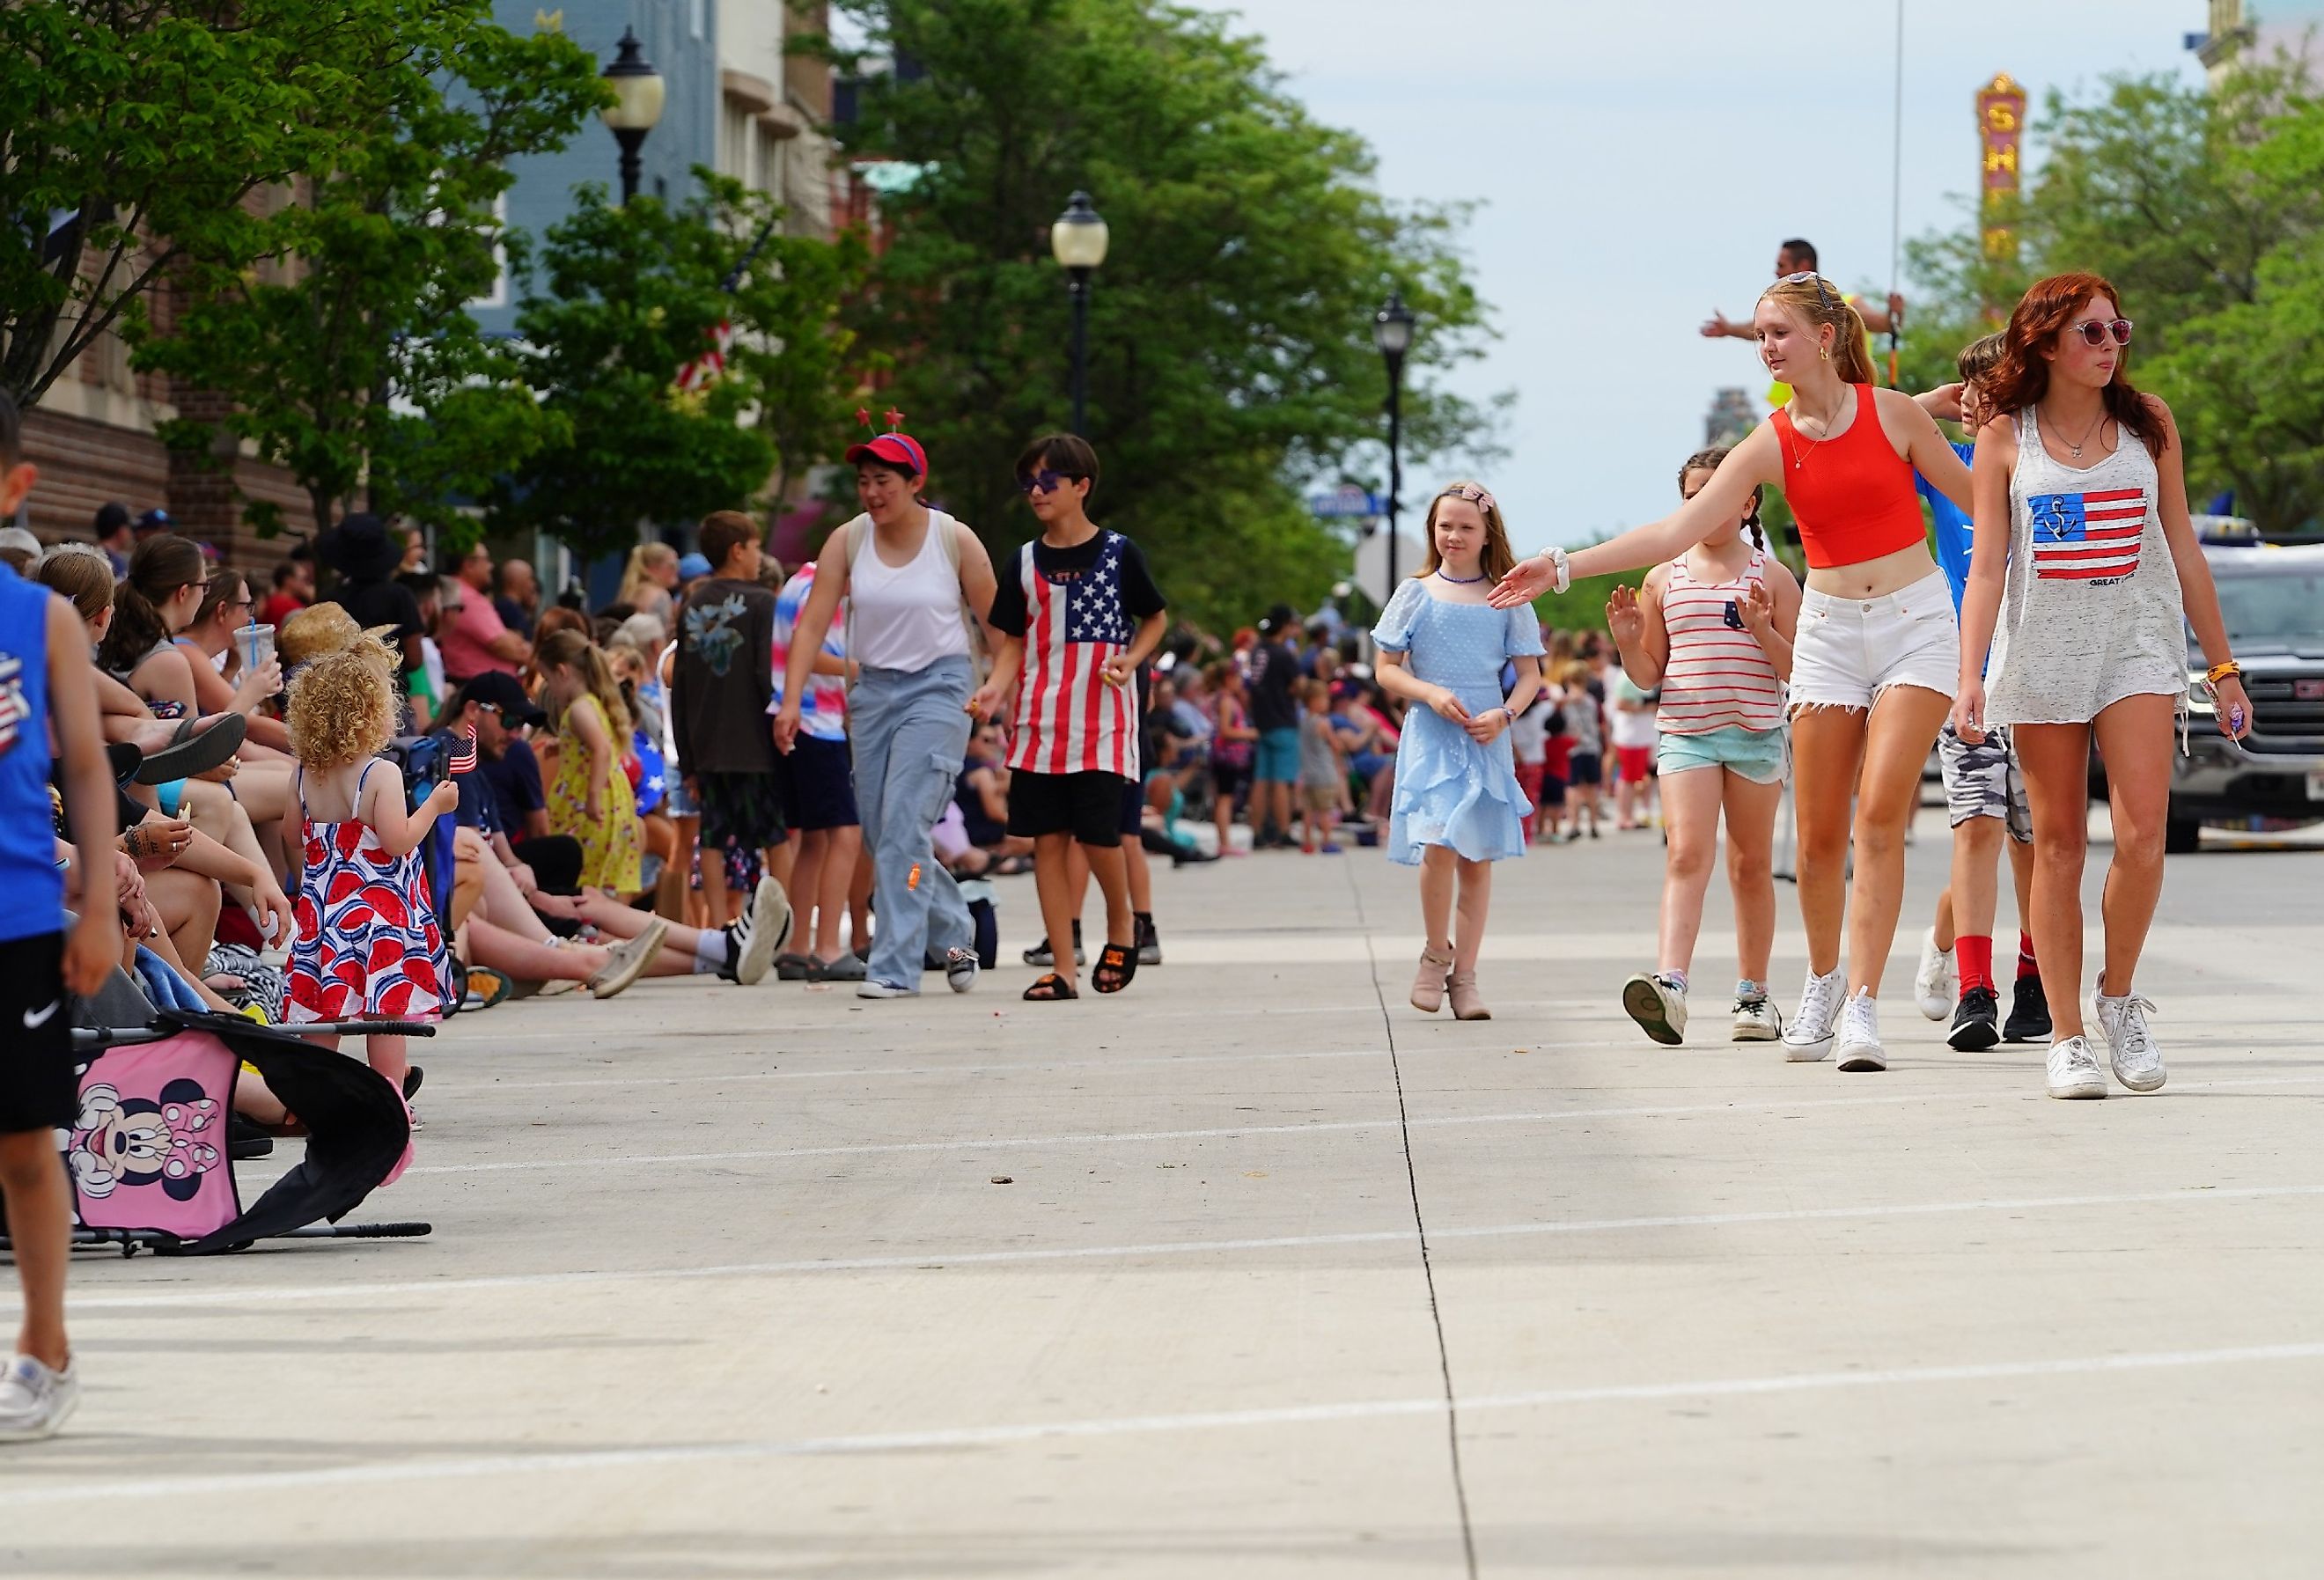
(2182,835)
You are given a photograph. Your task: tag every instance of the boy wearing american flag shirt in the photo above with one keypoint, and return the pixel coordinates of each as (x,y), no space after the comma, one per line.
(1078,613)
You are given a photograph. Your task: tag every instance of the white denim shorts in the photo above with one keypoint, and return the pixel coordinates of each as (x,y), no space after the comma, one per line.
(1848,650)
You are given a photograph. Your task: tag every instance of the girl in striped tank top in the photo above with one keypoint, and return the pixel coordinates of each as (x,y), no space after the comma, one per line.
(1714,628)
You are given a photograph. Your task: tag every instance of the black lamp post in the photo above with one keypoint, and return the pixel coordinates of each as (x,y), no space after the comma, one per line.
(1392,333)
(636,108)
(1077,241)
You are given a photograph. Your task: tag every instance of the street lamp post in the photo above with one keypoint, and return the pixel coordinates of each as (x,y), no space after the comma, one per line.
(1392,333)
(636,108)
(1077,241)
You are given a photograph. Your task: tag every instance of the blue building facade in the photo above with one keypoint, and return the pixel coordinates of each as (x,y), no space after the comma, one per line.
(680,38)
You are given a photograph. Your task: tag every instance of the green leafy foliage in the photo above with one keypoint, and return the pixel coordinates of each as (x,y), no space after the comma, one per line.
(2205,208)
(1230,351)
(617,301)
(348,353)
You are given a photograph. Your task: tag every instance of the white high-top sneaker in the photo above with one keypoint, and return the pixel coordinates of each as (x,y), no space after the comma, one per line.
(1809,1036)
(1934,983)
(1859,1034)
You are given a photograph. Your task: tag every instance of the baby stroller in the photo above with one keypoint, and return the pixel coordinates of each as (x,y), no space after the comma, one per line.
(148,1154)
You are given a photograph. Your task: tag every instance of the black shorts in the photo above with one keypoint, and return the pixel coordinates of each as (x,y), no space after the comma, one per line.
(745,808)
(1133,807)
(1553,790)
(818,786)
(1089,804)
(555,860)
(1585,768)
(38,1090)
(1227,778)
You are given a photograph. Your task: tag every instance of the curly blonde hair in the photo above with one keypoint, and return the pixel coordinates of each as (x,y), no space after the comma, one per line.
(341,705)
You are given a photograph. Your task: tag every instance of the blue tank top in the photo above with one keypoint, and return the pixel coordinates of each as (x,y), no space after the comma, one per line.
(31,888)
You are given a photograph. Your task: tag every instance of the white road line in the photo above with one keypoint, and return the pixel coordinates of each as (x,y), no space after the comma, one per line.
(136,1490)
(487,1088)
(938,1260)
(1317,1127)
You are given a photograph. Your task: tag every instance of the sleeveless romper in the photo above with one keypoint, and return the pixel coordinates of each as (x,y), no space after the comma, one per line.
(2090,610)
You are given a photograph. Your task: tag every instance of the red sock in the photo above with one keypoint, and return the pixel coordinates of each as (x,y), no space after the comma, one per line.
(1975,956)
(2025,966)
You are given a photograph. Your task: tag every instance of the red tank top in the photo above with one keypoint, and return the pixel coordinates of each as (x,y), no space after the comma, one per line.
(1852,495)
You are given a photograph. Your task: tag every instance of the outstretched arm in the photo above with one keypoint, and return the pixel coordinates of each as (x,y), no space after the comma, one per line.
(1756,461)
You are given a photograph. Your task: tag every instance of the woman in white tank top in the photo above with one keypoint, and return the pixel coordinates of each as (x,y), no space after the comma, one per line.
(916,581)
(2084,568)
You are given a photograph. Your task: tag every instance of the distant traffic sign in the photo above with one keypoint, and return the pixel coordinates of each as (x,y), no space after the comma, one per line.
(1347,502)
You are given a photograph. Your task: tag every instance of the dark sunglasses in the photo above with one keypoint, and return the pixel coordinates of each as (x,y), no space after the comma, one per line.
(1822,295)
(2094,331)
(1043,482)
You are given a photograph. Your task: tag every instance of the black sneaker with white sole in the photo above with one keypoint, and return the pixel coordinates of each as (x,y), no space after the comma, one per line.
(1149,942)
(1976,1020)
(2029,1012)
(1039,953)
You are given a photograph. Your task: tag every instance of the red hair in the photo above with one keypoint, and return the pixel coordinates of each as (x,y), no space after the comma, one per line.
(2022,376)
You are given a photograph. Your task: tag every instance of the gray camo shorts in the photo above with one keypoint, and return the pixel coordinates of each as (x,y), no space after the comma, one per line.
(1983,781)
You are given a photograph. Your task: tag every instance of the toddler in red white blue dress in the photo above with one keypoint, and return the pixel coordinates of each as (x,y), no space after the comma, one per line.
(367,945)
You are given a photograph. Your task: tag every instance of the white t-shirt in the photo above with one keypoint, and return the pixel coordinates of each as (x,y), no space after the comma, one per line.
(1529,735)
(1632,726)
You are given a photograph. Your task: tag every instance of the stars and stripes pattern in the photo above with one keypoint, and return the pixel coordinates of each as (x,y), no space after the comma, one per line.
(463,753)
(1070,719)
(2090,536)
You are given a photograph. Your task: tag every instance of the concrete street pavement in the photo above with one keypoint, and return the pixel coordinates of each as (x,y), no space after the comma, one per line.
(1254,1271)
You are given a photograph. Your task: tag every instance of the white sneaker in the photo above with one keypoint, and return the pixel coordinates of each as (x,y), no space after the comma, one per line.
(1935,984)
(35,1400)
(2073,1069)
(1658,1004)
(1859,1034)
(1757,1019)
(754,936)
(1809,1036)
(2137,1062)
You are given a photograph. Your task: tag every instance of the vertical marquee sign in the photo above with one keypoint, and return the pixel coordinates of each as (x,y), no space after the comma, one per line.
(2000,133)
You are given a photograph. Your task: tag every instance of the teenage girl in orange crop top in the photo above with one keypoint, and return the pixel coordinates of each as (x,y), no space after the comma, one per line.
(1878,650)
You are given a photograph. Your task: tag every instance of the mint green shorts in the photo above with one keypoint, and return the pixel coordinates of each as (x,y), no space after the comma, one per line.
(1758,756)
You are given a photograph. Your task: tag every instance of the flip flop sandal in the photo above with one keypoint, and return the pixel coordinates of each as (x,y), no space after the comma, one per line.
(1122,960)
(1049,988)
(193,750)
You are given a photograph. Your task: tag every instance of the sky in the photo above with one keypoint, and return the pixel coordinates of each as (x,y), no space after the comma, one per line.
(1637,162)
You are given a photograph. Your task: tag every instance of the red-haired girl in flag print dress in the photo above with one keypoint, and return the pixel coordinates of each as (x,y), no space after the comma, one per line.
(2084,576)
(367,943)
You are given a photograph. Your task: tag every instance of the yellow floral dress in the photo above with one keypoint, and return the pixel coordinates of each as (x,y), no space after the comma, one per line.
(609,848)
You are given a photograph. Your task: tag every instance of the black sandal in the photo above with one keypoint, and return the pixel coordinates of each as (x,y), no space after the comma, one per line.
(1122,960)
(1051,987)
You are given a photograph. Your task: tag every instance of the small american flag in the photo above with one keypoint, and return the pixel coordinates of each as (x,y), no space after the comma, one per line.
(2088,537)
(464,755)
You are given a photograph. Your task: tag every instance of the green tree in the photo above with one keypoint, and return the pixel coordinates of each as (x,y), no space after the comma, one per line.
(370,266)
(2205,208)
(1230,352)
(142,138)
(618,301)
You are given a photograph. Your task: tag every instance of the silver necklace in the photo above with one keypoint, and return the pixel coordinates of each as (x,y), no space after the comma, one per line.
(2092,429)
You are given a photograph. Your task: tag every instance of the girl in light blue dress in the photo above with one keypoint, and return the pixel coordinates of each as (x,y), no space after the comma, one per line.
(1458,809)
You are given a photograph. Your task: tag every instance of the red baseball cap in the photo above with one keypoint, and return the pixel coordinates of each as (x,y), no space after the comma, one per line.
(898,449)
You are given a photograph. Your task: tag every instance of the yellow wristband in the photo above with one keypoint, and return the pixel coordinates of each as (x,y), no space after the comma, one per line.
(2219,673)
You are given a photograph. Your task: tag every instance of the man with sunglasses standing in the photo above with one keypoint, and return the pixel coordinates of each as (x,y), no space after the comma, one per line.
(1797,258)
(1078,613)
